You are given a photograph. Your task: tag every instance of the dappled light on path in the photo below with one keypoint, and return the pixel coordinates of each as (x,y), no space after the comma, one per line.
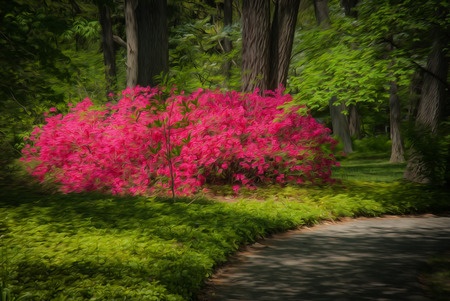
(363,259)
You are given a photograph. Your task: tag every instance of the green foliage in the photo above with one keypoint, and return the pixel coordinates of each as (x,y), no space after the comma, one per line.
(375,144)
(433,150)
(50,56)
(378,170)
(356,59)
(89,246)
(84,30)
(435,276)
(329,62)
(197,57)
(31,64)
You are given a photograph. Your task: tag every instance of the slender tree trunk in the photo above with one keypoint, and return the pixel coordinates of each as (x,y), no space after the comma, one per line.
(354,121)
(255,44)
(282,39)
(339,121)
(153,53)
(397,152)
(339,124)
(322,13)
(349,6)
(415,90)
(132,42)
(421,166)
(109,54)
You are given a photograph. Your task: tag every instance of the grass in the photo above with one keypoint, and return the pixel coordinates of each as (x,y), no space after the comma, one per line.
(376,170)
(99,247)
(436,277)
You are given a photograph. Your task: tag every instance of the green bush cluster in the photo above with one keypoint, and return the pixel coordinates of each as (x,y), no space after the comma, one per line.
(374,144)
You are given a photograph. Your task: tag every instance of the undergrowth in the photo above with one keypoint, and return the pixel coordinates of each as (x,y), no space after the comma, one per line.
(100,247)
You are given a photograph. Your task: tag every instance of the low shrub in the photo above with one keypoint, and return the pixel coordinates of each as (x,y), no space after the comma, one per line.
(375,144)
(155,141)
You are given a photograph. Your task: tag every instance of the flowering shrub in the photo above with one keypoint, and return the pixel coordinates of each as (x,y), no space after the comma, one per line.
(152,141)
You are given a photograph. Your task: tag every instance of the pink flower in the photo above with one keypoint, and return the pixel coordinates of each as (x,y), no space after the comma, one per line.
(128,147)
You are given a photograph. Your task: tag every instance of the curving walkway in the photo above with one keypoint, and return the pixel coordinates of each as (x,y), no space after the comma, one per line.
(361,259)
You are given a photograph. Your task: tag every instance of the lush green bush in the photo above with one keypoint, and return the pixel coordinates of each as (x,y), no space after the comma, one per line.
(375,144)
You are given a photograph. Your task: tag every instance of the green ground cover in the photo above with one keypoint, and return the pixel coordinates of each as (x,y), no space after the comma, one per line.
(436,276)
(97,247)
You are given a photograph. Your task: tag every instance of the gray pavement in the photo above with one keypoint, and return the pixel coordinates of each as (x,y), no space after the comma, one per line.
(362,259)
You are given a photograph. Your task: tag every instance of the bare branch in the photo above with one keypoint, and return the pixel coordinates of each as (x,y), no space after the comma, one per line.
(119,41)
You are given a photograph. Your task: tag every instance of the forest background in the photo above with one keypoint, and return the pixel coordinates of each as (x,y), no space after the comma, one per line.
(376,72)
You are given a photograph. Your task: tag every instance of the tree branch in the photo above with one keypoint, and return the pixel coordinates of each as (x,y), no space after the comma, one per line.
(119,41)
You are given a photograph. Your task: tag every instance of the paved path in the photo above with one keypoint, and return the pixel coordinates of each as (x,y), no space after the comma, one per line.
(362,259)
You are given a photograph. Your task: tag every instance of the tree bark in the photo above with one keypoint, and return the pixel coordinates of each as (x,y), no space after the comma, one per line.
(118,40)
(339,121)
(354,122)
(132,42)
(349,6)
(415,90)
(282,39)
(255,44)
(153,53)
(322,13)
(421,167)
(339,124)
(397,151)
(109,54)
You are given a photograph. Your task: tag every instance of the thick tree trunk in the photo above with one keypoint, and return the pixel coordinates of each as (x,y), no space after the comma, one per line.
(273,51)
(340,126)
(153,53)
(109,54)
(421,167)
(132,42)
(282,39)
(255,44)
(397,152)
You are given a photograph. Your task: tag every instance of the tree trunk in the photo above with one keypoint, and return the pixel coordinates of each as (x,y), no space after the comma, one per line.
(153,53)
(349,6)
(322,13)
(255,44)
(282,38)
(422,166)
(397,152)
(273,50)
(339,121)
(354,122)
(109,54)
(415,90)
(132,42)
(339,125)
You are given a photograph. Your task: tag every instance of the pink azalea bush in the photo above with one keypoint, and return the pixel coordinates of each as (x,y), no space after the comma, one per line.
(151,141)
